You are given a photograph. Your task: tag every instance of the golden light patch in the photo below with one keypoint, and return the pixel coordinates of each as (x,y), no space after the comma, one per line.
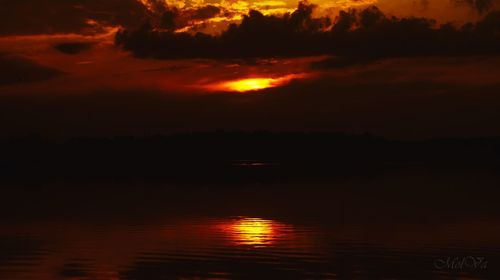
(254,83)
(255,232)
(250,84)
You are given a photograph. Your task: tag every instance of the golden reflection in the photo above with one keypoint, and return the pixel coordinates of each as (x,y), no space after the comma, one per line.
(254,231)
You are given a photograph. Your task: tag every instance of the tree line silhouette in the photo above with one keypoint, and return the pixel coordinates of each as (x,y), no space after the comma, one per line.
(235,155)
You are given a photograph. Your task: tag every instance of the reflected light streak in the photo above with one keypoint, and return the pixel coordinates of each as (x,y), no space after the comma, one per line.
(254,231)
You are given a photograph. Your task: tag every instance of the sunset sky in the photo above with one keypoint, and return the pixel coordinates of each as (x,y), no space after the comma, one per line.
(399,69)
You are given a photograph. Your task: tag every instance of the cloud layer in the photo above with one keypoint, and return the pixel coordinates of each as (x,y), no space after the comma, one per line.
(71,16)
(90,16)
(18,70)
(480,5)
(368,33)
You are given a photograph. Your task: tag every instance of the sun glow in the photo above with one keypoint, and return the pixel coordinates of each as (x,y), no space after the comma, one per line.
(254,84)
(250,84)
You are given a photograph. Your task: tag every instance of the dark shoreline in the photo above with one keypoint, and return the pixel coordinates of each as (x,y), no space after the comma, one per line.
(237,156)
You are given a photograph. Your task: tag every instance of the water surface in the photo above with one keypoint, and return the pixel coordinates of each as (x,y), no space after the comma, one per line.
(416,225)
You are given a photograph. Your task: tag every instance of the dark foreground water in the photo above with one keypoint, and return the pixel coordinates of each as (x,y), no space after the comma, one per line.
(396,225)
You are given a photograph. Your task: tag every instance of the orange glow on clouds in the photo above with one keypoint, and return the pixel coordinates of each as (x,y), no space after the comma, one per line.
(254,84)
(232,11)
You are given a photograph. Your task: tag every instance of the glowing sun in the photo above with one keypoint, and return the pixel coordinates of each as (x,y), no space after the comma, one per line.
(254,84)
(250,84)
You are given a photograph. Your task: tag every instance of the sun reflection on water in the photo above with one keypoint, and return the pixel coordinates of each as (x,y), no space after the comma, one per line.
(254,232)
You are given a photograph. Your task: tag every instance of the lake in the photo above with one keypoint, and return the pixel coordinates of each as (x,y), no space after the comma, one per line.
(399,224)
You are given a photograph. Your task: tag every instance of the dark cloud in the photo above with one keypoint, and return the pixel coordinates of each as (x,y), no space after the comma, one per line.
(206,12)
(70,16)
(338,62)
(258,35)
(373,34)
(168,20)
(73,47)
(368,33)
(480,5)
(18,70)
(171,18)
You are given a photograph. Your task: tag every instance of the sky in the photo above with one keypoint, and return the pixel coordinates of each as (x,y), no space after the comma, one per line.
(407,69)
